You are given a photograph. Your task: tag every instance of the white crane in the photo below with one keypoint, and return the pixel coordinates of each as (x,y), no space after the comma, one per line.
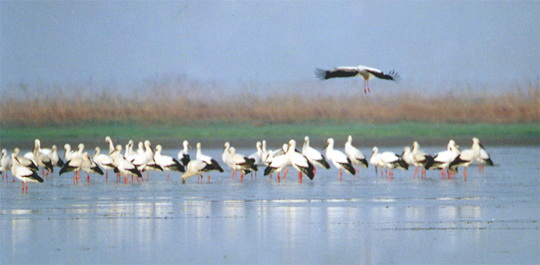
(339,159)
(350,71)
(314,156)
(299,162)
(355,155)
(23,173)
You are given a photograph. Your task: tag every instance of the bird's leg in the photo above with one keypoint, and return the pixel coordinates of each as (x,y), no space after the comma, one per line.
(285,174)
(365,86)
(340,174)
(299,176)
(415,172)
(208,181)
(314,170)
(22,190)
(278,178)
(242,176)
(424,173)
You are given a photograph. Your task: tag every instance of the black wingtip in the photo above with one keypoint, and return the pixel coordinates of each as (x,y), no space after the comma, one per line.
(364,162)
(185,160)
(65,168)
(178,167)
(394,76)
(35,176)
(136,172)
(403,164)
(97,170)
(324,163)
(349,167)
(321,74)
(268,171)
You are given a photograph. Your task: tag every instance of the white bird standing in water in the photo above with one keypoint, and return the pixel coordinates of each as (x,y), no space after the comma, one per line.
(212,164)
(314,156)
(23,173)
(365,72)
(420,159)
(338,159)
(356,156)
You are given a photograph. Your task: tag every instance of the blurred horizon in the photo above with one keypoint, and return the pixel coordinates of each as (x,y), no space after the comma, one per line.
(267,47)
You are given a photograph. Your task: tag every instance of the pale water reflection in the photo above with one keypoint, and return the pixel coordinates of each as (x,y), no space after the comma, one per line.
(493,218)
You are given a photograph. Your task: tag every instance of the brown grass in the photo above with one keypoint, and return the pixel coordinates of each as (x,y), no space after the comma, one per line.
(178,102)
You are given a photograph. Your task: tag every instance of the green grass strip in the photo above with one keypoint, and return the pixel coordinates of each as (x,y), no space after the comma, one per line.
(218,130)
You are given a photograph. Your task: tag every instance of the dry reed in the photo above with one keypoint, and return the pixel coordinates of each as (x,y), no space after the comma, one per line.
(179,102)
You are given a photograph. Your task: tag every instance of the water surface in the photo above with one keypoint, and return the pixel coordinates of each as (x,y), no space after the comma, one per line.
(492,218)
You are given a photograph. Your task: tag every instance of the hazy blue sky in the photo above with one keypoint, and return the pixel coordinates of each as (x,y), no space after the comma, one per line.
(429,43)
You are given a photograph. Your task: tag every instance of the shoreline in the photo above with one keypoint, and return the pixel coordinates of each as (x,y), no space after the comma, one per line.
(244,135)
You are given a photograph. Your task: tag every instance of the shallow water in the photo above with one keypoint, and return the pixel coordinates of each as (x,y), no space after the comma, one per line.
(492,218)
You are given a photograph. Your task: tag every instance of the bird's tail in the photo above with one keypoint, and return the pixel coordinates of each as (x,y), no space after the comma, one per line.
(349,167)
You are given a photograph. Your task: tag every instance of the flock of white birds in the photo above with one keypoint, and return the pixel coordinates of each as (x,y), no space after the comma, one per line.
(147,158)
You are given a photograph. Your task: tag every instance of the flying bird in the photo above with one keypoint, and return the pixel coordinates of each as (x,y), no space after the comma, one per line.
(350,71)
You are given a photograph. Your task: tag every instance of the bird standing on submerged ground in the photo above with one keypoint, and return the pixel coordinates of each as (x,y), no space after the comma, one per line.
(338,159)
(196,167)
(365,72)
(23,173)
(356,156)
(314,156)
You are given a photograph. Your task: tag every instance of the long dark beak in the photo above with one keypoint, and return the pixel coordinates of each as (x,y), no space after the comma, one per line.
(326,146)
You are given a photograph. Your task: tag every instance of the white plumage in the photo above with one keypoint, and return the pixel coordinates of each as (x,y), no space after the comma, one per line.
(212,163)
(278,163)
(355,155)
(442,159)
(299,162)
(365,72)
(23,173)
(420,159)
(313,155)
(166,162)
(338,159)
(195,167)
(102,160)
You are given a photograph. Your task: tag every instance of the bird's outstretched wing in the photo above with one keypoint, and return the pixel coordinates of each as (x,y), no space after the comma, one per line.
(337,72)
(392,75)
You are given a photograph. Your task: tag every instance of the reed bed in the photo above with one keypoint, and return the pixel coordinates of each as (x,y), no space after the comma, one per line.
(175,103)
